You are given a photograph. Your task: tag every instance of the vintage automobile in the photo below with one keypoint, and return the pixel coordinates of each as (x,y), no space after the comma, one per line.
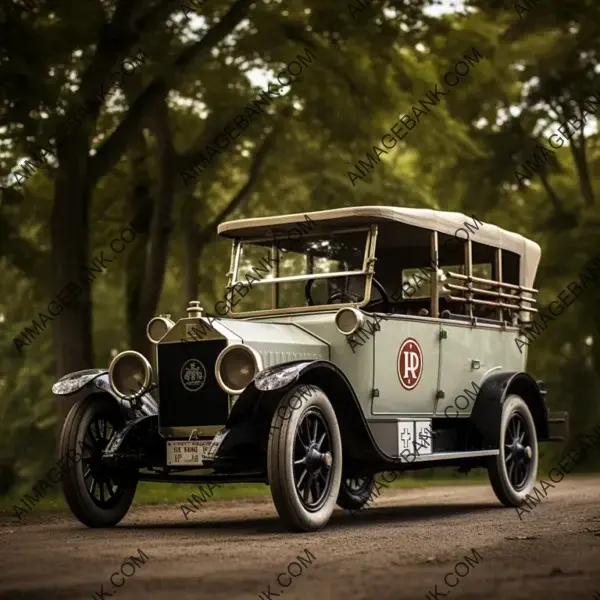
(349,342)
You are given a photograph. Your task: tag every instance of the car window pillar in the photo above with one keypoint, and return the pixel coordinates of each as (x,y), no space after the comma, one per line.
(434,312)
(469,274)
(499,280)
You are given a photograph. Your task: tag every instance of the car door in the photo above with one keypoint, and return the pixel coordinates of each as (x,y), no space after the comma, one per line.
(406,366)
(469,353)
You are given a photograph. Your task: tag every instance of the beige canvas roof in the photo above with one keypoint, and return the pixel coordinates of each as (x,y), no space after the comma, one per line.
(436,220)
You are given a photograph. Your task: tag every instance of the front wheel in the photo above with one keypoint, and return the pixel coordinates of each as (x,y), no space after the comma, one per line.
(513,471)
(304,459)
(99,496)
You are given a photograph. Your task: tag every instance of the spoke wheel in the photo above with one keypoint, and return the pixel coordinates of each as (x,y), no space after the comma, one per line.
(98,494)
(356,492)
(101,483)
(512,473)
(356,484)
(313,460)
(517,452)
(304,459)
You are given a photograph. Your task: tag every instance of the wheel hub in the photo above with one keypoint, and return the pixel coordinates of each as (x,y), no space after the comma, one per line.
(521,451)
(315,459)
(99,469)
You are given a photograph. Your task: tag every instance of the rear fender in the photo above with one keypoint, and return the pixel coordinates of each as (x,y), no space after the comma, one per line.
(487,412)
(93,380)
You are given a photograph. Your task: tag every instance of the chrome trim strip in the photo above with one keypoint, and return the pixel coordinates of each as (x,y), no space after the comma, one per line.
(305,277)
(454,455)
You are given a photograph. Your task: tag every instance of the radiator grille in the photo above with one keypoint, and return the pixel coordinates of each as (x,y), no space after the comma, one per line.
(188,388)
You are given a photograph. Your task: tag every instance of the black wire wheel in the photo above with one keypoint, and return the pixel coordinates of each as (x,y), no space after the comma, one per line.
(97,494)
(304,459)
(355,492)
(513,472)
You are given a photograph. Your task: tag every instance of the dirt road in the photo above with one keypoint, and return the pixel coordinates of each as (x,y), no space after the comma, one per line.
(408,542)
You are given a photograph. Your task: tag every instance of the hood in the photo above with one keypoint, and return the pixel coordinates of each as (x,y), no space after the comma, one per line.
(275,342)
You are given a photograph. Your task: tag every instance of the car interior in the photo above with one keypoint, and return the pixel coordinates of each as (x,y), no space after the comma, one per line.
(404,269)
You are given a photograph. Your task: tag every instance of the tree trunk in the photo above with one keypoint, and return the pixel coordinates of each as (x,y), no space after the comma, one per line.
(160,228)
(72,328)
(142,209)
(191,255)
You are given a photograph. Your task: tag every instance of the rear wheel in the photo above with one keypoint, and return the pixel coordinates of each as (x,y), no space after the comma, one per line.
(304,459)
(355,492)
(99,496)
(513,471)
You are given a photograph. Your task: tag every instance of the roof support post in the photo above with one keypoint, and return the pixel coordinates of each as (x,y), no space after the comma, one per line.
(469,274)
(435,263)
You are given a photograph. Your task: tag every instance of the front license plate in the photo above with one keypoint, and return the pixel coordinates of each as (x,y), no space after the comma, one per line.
(186,454)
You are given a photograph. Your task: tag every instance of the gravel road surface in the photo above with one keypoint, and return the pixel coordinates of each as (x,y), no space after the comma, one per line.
(400,547)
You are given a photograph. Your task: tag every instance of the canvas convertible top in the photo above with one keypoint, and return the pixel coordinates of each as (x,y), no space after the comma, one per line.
(435,220)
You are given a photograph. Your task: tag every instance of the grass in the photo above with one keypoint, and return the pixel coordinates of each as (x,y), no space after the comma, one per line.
(149,494)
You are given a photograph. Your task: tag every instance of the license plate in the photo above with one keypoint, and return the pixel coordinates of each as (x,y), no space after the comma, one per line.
(186,454)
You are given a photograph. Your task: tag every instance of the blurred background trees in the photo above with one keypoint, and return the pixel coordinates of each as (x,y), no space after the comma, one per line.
(124,160)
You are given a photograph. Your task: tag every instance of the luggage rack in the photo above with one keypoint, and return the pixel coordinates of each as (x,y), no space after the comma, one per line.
(514,299)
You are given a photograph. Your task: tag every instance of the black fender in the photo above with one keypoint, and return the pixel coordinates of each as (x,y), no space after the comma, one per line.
(93,381)
(139,444)
(260,399)
(493,392)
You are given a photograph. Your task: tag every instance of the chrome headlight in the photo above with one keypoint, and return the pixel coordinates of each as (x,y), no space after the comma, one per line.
(236,367)
(349,320)
(158,327)
(130,374)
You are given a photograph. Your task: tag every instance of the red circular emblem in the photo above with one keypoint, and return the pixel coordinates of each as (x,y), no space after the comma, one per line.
(410,363)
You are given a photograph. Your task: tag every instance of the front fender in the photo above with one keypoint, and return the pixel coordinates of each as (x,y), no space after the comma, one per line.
(260,399)
(272,379)
(93,380)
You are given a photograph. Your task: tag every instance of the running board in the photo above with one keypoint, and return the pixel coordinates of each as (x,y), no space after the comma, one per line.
(454,455)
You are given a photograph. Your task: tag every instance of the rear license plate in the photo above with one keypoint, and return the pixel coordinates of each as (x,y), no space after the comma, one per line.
(186,454)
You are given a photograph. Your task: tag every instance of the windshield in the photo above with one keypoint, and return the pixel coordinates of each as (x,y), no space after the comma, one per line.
(311,270)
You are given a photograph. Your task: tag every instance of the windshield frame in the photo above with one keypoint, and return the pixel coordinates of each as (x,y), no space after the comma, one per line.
(367,270)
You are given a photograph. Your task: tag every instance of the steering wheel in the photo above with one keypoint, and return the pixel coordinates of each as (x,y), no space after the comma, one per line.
(350,296)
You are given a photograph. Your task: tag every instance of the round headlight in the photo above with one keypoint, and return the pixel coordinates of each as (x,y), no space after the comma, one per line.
(236,367)
(130,374)
(157,328)
(349,320)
